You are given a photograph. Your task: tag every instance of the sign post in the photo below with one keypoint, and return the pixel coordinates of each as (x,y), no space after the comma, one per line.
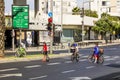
(20,17)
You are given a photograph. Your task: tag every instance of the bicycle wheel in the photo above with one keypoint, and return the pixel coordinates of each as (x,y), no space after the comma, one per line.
(91,58)
(72,57)
(101,59)
(77,57)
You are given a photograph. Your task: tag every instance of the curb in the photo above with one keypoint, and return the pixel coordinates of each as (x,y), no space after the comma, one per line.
(15,59)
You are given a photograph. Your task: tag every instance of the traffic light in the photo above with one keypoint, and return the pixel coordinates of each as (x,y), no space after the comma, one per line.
(49,25)
(82,12)
(50,20)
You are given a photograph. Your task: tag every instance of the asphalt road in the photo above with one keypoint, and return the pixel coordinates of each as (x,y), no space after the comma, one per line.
(64,69)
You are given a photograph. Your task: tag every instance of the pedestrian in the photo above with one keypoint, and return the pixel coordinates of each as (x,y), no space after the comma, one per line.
(45,51)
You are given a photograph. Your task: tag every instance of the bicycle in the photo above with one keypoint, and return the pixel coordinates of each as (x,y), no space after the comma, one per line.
(75,56)
(91,58)
(20,52)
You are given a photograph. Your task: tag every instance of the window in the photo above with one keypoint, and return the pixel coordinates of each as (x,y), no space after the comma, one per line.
(104,3)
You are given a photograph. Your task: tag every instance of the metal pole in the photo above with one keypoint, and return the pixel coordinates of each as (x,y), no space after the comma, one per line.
(61,18)
(13,37)
(51,38)
(83,21)
(20,37)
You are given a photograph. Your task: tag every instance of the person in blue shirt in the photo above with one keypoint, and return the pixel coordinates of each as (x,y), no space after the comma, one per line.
(96,52)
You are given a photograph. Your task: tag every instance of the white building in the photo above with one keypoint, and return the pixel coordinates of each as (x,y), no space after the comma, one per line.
(111,7)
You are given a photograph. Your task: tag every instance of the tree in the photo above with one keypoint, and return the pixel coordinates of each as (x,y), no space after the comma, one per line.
(107,24)
(2,27)
(76,11)
(91,13)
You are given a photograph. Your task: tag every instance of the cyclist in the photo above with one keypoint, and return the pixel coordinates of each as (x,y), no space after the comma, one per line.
(74,50)
(96,52)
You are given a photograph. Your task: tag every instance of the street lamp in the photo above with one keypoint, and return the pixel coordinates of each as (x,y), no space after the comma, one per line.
(83,32)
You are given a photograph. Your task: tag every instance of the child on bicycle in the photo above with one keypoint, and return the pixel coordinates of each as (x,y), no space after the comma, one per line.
(96,52)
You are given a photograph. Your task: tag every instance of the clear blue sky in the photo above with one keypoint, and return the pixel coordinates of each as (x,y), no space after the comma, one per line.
(8,4)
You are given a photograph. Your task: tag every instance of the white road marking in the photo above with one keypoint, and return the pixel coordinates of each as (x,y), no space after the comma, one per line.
(81,78)
(106,64)
(106,57)
(38,77)
(89,67)
(115,57)
(9,75)
(10,69)
(53,63)
(118,62)
(83,59)
(85,56)
(68,71)
(110,59)
(68,61)
(33,66)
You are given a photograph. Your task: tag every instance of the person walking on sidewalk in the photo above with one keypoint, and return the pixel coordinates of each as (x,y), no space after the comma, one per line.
(45,51)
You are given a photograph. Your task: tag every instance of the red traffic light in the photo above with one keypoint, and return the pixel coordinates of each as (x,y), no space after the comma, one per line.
(50,20)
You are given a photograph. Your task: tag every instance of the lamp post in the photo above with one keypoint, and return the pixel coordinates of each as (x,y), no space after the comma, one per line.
(83,32)
(61,19)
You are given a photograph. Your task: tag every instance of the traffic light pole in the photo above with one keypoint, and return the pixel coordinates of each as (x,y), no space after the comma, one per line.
(51,37)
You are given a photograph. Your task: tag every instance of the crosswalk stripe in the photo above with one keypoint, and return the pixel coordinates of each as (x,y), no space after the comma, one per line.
(68,71)
(33,66)
(10,69)
(53,63)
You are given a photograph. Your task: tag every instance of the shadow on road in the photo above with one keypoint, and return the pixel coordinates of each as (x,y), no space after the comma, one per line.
(113,76)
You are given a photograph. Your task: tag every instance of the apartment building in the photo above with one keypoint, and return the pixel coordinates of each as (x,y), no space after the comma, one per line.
(111,7)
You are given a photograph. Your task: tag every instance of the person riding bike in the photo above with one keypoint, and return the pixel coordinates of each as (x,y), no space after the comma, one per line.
(96,52)
(75,52)
(73,49)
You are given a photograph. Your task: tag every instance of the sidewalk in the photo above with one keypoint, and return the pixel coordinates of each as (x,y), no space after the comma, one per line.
(39,57)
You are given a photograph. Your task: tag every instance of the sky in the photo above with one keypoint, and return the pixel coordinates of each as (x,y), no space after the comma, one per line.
(8,5)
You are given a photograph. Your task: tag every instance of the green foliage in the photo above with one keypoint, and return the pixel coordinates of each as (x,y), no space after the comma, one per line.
(21,52)
(107,24)
(91,13)
(76,11)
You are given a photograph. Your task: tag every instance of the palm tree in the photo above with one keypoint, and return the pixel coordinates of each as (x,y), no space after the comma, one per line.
(2,27)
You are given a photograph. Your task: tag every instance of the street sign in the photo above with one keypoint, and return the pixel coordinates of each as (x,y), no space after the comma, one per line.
(50,14)
(20,16)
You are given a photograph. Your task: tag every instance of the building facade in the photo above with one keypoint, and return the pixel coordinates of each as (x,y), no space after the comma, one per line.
(111,7)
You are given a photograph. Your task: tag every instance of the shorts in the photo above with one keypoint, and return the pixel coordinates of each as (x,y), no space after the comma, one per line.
(45,52)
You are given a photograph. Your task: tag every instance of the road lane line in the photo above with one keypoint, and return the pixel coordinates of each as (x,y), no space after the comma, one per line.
(54,63)
(10,75)
(118,62)
(84,56)
(38,77)
(10,69)
(83,59)
(68,71)
(68,61)
(89,67)
(106,64)
(110,59)
(33,66)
